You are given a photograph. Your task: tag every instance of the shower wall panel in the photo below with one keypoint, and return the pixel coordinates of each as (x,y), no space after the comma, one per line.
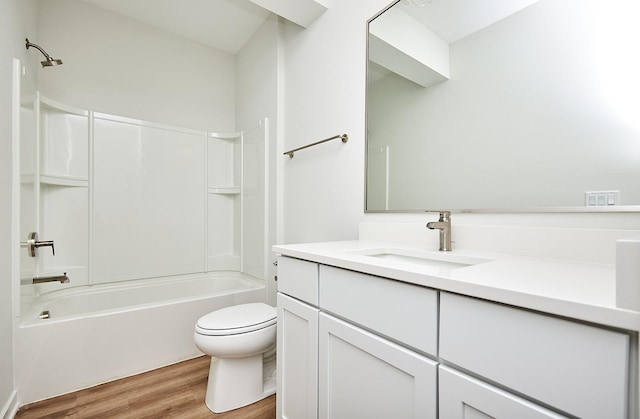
(64,219)
(148,201)
(62,191)
(64,144)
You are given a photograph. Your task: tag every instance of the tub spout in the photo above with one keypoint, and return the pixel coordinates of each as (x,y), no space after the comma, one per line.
(63,279)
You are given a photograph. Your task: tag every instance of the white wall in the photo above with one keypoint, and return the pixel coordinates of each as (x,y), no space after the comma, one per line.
(324,95)
(17,21)
(119,66)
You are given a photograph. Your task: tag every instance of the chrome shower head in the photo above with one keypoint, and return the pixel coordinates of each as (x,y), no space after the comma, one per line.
(49,61)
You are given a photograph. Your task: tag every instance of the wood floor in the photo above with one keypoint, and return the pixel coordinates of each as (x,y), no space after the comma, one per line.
(176,391)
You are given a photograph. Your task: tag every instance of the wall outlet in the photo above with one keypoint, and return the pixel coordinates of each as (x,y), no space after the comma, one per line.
(601,198)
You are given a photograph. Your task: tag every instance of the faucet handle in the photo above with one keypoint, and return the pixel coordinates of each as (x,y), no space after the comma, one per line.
(445,215)
(33,243)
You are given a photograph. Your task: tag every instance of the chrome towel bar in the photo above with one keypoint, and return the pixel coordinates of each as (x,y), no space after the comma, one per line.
(343,137)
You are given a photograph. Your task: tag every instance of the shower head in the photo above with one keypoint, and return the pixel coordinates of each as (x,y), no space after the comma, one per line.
(49,61)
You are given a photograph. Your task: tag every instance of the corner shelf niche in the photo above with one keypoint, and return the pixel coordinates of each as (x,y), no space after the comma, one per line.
(224,201)
(62,191)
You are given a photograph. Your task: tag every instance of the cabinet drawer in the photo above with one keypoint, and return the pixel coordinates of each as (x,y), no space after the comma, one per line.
(299,279)
(403,312)
(577,368)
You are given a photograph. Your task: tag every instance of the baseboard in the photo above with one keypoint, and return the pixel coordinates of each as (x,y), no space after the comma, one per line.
(10,408)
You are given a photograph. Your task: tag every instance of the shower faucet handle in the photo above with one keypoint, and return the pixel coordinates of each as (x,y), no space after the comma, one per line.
(32,244)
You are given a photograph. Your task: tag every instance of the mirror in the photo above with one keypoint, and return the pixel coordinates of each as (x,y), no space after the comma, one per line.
(531,108)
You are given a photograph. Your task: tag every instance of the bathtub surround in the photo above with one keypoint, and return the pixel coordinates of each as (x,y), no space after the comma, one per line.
(104,185)
(199,87)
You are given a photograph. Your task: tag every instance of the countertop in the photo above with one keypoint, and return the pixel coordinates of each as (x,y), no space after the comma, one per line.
(577,290)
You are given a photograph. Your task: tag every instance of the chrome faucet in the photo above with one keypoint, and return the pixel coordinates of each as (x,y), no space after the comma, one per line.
(444,225)
(63,279)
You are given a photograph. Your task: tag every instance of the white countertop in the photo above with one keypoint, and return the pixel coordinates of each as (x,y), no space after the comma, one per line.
(582,291)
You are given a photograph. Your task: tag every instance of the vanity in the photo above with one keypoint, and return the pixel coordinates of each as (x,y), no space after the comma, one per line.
(379,330)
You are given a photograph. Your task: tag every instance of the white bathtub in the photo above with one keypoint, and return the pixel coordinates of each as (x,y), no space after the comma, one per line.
(101,333)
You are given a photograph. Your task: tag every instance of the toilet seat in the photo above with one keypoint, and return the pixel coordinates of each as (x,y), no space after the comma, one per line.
(234,320)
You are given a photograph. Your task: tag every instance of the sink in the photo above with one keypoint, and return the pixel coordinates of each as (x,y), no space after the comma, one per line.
(424,258)
(421,261)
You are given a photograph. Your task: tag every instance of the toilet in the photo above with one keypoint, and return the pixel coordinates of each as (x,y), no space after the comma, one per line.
(241,341)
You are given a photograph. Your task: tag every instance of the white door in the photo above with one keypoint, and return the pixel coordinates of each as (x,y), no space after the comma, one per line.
(365,376)
(297,394)
(463,397)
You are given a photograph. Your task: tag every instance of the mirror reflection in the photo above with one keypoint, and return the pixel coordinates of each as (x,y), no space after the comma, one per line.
(472,107)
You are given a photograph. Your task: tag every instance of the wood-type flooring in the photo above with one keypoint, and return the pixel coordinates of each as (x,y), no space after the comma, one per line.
(176,391)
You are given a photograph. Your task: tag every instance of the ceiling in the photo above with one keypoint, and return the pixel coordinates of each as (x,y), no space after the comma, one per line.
(453,20)
(228,24)
(222,24)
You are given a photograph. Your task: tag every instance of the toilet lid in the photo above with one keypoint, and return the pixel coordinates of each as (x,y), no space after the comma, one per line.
(237,319)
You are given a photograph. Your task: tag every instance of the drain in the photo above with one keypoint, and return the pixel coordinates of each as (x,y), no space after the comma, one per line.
(45,315)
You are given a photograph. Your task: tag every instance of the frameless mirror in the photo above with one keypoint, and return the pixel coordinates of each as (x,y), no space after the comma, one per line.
(472,105)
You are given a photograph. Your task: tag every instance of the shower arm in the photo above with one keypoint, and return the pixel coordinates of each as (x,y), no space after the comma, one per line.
(39,48)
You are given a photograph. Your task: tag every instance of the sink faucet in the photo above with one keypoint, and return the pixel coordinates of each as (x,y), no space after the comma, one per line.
(444,225)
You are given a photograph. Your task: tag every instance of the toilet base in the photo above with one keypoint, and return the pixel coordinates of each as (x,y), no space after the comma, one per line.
(238,382)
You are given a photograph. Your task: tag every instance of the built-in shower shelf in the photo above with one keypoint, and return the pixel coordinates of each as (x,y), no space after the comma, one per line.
(233,190)
(61,180)
(225,135)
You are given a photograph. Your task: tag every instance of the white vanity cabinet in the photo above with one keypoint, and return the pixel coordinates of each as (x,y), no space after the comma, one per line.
(297,339)
(354,345)
(351,362)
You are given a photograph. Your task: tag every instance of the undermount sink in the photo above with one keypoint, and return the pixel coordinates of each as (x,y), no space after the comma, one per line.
(423,258)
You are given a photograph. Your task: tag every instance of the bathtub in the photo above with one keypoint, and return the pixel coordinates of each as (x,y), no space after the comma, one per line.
(100,333)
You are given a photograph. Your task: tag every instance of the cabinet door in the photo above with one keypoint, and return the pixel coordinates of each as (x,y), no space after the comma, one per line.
(365,376)
(463,397)
(297,359)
